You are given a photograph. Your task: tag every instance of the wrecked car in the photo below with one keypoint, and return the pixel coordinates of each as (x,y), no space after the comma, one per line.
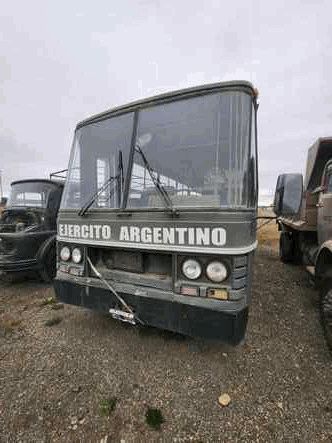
(28,228)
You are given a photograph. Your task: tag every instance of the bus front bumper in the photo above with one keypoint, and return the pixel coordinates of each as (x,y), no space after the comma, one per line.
(183,317)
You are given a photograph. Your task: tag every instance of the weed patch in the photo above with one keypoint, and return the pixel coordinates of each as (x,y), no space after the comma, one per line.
(53,321)
(48,301)
(154,418)
(107,406)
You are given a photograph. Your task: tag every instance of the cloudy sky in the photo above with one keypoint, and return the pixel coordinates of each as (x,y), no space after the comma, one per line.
(63,61)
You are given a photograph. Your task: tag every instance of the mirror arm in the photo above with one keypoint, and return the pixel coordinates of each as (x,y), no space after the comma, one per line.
(319,189)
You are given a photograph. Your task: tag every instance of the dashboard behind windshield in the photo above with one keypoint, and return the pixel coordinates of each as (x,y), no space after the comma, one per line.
(29,195)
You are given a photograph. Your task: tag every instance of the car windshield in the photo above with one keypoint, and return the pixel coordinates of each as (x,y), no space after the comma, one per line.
(29,194)
(201,150)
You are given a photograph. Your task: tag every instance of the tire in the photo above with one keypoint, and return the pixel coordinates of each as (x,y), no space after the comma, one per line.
(297,251)
(286,247)
(48,271)
(325,307)
(10,277)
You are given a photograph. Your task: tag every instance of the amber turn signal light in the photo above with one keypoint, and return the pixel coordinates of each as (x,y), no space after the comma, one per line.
(220,294)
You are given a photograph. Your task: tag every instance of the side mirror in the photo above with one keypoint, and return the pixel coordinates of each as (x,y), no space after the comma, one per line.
(278,195)
(288,194)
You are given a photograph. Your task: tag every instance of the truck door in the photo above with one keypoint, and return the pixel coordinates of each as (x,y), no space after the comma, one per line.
(324,218)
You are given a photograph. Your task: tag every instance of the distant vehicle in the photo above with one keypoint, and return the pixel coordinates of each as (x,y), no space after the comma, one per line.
(157,224)
(3,203)
(305,221)
(28,228)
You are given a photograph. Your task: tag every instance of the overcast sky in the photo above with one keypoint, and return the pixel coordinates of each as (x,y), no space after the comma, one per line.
(63,61)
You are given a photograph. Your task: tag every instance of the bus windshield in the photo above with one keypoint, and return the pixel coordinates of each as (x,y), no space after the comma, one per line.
(200,150)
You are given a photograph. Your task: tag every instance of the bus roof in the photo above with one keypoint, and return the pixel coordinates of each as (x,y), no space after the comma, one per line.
(237,85)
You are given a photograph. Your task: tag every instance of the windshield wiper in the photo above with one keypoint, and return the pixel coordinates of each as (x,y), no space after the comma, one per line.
(118,177)
(162,191)
(91,201)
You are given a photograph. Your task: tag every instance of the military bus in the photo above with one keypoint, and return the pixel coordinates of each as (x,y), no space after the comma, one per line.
(157,224)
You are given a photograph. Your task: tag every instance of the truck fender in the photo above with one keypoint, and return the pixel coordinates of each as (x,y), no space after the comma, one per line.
(45,247)
(323,264)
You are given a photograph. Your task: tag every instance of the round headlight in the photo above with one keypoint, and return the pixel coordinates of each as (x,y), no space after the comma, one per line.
(76,255)
(216,271)
(191,269)
(65,253)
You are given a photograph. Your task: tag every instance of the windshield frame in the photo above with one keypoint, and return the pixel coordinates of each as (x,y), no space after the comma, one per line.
(136,107)
(42,183)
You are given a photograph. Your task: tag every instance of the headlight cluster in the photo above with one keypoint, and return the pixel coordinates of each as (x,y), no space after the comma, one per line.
(192,269)
(65,253)
(76,254)
(215,270)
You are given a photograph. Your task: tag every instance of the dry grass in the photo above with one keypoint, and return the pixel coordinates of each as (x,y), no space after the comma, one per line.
(53,380)
(268,235)
(8,323)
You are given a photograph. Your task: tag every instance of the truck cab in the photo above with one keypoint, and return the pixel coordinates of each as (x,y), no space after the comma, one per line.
(324,205)
(304,216)
(28,228)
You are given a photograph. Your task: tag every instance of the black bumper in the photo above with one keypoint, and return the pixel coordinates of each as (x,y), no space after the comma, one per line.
(178,317)
(19,265)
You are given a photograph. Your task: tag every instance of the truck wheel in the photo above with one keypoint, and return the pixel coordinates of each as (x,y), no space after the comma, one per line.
(10,277)
(326,310)
(286,247)
(297,252)
(48,271)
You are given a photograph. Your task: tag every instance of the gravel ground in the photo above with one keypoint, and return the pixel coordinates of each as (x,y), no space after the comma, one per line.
(54,379)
